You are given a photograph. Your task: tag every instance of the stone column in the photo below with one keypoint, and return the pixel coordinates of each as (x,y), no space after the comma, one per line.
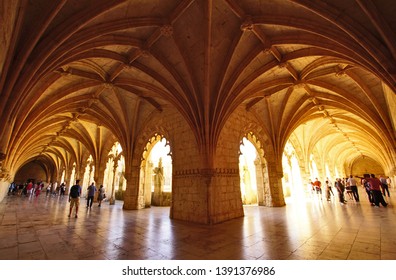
(207,195)
(112,198)
(67,179)
(134,196)
(146,175)
(5,179)
(260,169)
(275,181)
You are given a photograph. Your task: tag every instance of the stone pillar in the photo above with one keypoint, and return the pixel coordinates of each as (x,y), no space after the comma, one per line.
(98,178)
(260,169)
(189,196)
(275,181)
(67,179)
(146,175)
(207,195)
(133,196)
(5,181)
(225,195)
(112,198)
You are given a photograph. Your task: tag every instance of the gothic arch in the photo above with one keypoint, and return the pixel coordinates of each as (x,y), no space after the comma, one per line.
(157,175)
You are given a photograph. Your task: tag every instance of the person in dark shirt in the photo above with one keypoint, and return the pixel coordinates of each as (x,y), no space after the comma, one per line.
(91,194)
(74,197)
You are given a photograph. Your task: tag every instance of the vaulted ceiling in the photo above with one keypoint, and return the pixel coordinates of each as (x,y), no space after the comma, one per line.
(76,71)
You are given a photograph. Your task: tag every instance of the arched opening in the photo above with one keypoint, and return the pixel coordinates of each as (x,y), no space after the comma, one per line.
(293,186)
(253,172)
(33,171)
(156,172)
(114,182)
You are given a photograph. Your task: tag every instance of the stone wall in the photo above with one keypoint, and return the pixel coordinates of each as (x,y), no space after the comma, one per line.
(239,125)
(205,188)
(4,185)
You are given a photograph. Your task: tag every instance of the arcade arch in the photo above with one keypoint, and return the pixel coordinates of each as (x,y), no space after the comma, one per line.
(156,172)
(113,179)
(292,181)
(253,172)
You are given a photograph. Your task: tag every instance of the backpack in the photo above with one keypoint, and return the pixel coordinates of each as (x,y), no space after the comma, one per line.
(75,191)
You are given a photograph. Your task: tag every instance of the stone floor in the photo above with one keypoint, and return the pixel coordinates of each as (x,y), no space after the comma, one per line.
(311,229)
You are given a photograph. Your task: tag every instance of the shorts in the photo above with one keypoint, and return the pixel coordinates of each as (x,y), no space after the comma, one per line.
(74,201)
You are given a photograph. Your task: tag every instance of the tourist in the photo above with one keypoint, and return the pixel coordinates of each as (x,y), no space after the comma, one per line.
(384,186)
(101,195)
(353,186)
(91,193)
(375,185)
(74,197)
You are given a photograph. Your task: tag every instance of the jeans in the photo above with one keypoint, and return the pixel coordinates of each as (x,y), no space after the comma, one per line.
(355,192)
(90,201)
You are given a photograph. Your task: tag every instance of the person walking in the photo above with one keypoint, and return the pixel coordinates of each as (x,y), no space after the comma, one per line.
(48,189)
(388,182)
(29,188)
(353,185)
(318,187)
(367,188)
(54,188)
(375,185)
(329,191)
(101,195)
(341,189)
(74,197)
(384,186)
(91,194)
(63,189)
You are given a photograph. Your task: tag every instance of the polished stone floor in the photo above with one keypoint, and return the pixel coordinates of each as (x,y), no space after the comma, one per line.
(308,229)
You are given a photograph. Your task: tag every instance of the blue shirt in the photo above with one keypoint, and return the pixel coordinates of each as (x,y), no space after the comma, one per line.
(91,190)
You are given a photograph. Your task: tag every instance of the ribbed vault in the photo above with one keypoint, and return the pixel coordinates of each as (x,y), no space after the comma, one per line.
(76,73)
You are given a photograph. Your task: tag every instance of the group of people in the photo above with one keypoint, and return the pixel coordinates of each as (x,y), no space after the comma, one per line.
(54,190)
(75,194)
(30,189)
(375,188)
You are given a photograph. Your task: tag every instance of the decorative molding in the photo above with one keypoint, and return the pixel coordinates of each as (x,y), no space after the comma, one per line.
(212,172)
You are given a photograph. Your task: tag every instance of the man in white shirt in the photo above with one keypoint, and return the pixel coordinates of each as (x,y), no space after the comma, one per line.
(352,183)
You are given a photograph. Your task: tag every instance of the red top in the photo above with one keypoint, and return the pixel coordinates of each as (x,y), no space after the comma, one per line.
(375,183)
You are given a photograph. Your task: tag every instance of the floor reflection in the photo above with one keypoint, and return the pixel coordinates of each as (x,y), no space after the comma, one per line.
(38,228)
